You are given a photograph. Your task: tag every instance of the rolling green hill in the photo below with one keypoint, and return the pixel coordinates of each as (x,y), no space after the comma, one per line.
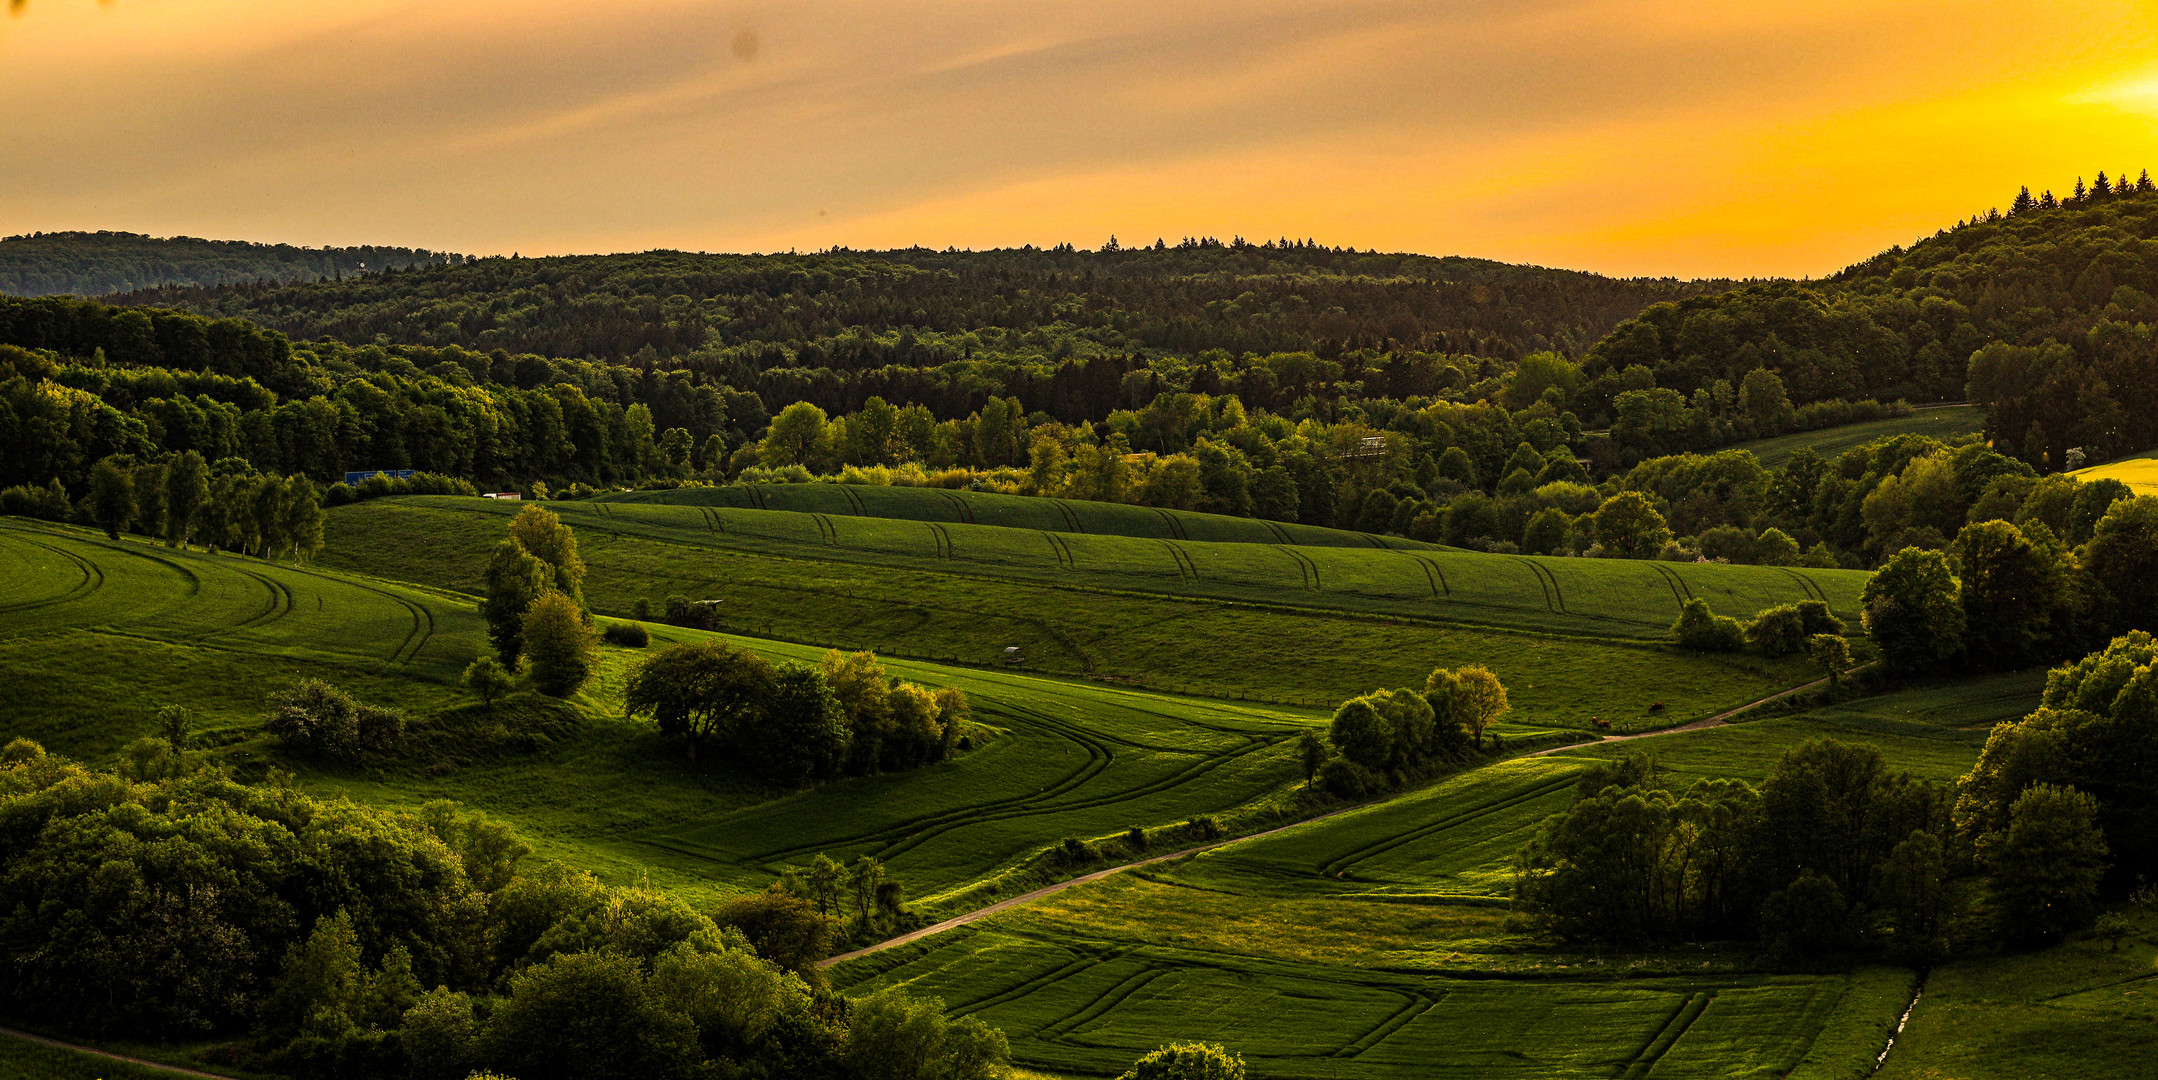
(1373,942)
(1127,621)
(942,505)
(1603,597)
(98,634)
(1945,422)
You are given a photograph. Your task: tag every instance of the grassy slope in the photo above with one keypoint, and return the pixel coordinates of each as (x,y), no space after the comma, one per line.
(21,1060)
(1946,422)
(1601,597)
(2077,1011)
(1406,900)
(2139,471)
(1013,512)
(1190,644)
(99,633)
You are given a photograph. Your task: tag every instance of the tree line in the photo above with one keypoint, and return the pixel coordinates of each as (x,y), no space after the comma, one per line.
(97,263)
(180,500)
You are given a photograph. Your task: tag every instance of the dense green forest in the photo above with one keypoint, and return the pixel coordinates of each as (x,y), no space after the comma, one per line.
(1072,333)
(95,264)
(2042,314)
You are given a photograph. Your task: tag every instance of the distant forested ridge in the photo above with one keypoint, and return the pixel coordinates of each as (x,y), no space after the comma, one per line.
(98,263)
(2043,314)
(946,328)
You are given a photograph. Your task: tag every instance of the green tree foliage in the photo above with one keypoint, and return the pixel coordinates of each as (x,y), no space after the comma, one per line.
(112,497)
(97,263)
(1702,630)
(1634,861)
(784,927)
(2096,731)
(802,731)
(1776,631)
(707,693)
(1913,609)
(590,1015)
(558,646)
(312,717)
(2010,589)
(1832,652)
(540,532)
(2123,559)
(1188,1061)
(893,1037)
(488,680)
(892,725)
(2047,865)
(1629,526)
(515,579)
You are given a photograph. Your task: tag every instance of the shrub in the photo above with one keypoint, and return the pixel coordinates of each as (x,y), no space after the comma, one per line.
(1703,631)
(316,718)
(1348,780)
(1777,631)
(1188,1061)
(1818,618)
(629,635)
(487,678)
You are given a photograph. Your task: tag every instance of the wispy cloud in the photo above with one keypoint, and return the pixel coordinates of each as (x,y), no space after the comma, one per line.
(1624,135)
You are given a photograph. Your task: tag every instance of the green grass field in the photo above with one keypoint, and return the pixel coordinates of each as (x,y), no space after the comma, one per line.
(22,1060)
(100,633)
(1012,512)
(1192,644)
(2138,471)
(1600,597)
(1404,901)
(1942,422)
(2080,1010)
(1088,1007)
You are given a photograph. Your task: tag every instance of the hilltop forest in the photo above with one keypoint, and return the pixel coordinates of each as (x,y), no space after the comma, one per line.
(95,264)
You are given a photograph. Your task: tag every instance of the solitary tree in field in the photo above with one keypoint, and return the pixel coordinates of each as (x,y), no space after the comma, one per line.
(487,678)
(302,518)
(112,497)
(539,531)
(173,722)
(515,578)
(557,644)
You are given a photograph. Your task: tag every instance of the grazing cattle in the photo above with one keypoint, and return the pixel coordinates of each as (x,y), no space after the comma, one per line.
(1656,708)
(1601,724)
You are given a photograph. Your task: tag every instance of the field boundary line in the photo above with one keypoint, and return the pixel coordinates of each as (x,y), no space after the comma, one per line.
(108,1055)
(1719,720)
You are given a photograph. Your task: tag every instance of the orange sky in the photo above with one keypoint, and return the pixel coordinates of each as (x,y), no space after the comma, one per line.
(1624,136)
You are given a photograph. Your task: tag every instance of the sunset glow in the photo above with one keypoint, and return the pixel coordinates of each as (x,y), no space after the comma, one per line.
(1623,136)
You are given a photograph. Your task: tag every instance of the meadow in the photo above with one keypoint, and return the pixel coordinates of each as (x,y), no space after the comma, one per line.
(1198,644)
(1375,942)
(100,633)
(2138,471)
(1087,1006)
(947,506)
(1946,422)
(1597,597)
